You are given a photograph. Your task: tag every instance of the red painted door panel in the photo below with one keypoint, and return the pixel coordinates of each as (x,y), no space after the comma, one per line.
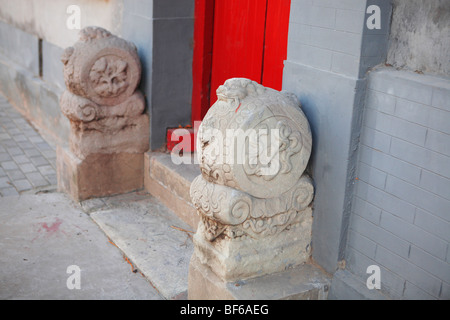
(237,38)
(238,41)
(275,43)
(202,60)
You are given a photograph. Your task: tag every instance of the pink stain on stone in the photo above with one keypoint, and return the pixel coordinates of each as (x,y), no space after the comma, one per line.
(54,227)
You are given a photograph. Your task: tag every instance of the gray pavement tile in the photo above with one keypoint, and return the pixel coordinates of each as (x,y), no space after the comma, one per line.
(5,182)
(27,168)
(14,151)
(9,165)
(9,125)
(52,179)
(15,175)
(5,156)
(36,179)
(29,131)
(4,136)
(22,185)
(20,137)
(36,139)
(46,170)
(9,143)
(39,161)
(14,131)
(8,192)
(32,152)
(49,154)
(21,159)
(20,121)
(27,161)
(25,144)
(43,146)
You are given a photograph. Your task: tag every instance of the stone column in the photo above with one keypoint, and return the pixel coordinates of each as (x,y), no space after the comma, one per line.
(253,196)
(109,129)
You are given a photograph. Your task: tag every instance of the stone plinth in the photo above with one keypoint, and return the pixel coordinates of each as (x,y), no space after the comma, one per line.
(305,282)
(109,129)
(253,196)
(98,174)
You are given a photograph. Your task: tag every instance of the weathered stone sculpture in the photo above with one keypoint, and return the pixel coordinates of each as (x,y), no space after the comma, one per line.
(109,129)
(253,195)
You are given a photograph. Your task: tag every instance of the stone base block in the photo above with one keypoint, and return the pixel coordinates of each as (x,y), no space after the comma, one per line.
(243,258)
(133,137)
(305,282)
(99,175)
(170,183)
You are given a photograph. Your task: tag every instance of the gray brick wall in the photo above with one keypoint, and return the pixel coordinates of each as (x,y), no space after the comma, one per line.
(331,35)
(401,207)
(329,51)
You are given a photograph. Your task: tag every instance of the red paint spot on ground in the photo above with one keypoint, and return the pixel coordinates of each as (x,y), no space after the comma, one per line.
(54,227)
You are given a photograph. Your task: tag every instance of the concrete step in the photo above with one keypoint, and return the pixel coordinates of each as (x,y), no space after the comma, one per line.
(154,240)
(158,244)
(154,230)
(170,183)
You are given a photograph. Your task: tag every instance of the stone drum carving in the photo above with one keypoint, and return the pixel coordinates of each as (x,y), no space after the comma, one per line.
(109,129)
(253,195)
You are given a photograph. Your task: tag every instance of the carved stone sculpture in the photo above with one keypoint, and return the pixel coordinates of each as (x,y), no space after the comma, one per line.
(109,129)
(253,195)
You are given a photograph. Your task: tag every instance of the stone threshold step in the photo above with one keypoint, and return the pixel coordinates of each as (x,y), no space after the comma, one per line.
(170,183)
(154,240)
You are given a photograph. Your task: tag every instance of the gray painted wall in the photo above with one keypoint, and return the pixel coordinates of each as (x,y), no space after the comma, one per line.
(172,67)
(420,36)
(163,33)
(138,28)
(34,96)
(329,51)
(12,46)
(401,211)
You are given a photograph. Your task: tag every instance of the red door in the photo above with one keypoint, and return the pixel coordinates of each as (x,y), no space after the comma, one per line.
(237,38)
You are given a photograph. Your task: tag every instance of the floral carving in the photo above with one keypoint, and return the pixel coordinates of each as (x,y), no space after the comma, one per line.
(105,109)
(109,76)
(101,67)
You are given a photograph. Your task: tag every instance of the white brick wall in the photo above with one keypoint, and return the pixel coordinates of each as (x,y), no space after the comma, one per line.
(401,209)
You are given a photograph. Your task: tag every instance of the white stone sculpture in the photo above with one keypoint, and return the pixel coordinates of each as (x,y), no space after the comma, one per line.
(253,195)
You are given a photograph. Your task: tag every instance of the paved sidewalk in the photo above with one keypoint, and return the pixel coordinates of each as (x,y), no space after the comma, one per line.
(43,234)
(44,237)
(26,161)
